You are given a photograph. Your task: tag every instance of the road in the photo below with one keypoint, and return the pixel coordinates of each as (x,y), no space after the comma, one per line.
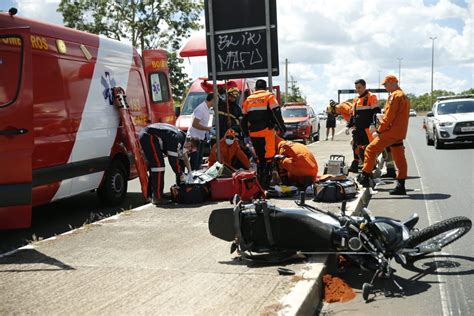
(440,186)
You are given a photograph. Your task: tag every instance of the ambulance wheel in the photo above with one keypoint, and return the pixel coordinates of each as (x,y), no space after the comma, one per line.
(114,189)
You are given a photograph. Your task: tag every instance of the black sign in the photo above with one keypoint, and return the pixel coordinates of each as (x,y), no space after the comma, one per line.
(240,38)
(354,91)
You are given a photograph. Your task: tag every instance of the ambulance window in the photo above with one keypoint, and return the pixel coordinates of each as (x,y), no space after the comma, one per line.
(10,68)
(159,87)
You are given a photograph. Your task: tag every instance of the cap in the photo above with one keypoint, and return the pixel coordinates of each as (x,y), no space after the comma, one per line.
(233,91)
(230,133)
(389,78)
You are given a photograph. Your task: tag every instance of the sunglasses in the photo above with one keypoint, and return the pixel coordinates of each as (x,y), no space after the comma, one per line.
(230,137)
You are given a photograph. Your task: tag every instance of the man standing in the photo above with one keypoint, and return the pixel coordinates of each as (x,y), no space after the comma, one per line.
(390,133)
(330,122)
(157,141)
(262,114)
(199,128)
(365,107)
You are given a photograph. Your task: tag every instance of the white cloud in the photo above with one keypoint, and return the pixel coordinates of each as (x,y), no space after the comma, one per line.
(331,43)
(44,10)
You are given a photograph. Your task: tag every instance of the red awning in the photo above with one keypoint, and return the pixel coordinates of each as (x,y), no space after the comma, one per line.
(195,46)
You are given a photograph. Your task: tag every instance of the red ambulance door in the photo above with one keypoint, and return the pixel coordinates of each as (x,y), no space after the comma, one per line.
(16,128)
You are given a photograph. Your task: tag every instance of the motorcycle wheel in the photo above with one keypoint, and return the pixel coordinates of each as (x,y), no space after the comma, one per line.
(442,233)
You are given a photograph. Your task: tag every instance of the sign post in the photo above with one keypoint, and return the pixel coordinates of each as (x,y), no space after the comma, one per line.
(243,41)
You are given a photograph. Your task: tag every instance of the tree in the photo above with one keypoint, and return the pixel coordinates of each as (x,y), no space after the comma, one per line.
(147,24)
(295,95)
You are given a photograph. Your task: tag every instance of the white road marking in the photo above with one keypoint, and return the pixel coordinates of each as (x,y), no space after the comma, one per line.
(432,218)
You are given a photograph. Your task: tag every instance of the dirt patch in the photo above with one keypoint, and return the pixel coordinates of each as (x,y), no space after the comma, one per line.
(336,290)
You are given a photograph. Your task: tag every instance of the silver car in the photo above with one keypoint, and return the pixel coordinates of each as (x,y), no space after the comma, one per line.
(451,120)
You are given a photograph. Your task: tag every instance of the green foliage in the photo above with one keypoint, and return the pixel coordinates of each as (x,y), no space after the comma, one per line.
(147,24)
(295,95)
(179,79)
(423,102)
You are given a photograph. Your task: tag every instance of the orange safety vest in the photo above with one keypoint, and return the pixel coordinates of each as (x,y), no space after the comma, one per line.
(364,108)
(394,123)
(257,107)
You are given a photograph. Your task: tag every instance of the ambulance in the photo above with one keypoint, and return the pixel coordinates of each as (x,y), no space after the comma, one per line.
(60,134)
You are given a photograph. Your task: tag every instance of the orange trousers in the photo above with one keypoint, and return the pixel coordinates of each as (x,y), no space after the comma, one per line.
(377,146)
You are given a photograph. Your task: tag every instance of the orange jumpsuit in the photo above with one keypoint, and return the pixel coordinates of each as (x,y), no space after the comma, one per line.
(345,109)
(392,131)
(298,164)
(229,153)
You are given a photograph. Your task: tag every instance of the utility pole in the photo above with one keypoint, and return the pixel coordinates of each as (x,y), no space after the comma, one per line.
(293,82)
(286,80)
(399,70)
(432,69)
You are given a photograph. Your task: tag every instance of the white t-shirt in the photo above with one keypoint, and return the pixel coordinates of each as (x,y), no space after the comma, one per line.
(201,112)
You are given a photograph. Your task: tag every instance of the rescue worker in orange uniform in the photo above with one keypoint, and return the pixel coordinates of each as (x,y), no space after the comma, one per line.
(231,152)
(365,107)
(296,164)
(262,114)
(390,133)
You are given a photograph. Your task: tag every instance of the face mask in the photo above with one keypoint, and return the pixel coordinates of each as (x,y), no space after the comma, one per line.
(229,141)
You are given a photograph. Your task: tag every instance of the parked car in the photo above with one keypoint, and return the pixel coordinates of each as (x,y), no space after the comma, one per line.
(412,112)
(451,120)
(301,122)
(322,116)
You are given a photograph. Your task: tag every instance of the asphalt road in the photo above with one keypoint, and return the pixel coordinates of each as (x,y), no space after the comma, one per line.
(440,185)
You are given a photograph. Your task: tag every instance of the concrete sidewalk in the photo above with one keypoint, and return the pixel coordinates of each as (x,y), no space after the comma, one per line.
(156,261)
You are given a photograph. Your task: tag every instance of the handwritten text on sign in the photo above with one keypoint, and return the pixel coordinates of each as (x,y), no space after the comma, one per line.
(241,51)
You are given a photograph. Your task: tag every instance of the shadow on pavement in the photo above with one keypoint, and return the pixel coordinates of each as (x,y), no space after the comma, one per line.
(442,265)
(414,196)
(64,215)
(458,146)
(32,257)
(356,277)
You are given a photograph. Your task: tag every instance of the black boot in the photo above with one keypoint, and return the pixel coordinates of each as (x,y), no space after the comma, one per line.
(364,179)
(354,166)
(399,189)
(391,173)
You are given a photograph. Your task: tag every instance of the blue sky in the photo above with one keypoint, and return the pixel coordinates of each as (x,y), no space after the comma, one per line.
(332,43)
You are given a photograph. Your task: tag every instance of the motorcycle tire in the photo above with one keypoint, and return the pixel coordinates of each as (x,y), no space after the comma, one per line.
(456,227)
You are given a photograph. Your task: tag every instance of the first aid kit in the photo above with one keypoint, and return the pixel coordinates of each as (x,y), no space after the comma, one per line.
(336,165)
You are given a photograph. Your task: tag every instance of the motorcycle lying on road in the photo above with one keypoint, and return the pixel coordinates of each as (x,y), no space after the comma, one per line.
(370,242)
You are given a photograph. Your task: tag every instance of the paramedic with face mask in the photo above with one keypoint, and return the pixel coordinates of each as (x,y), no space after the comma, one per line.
(231,152)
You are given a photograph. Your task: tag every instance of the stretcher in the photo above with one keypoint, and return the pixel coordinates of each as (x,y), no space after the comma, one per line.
(131,140)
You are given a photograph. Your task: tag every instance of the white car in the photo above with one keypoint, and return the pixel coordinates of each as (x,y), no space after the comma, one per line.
(451,120)
(412,112)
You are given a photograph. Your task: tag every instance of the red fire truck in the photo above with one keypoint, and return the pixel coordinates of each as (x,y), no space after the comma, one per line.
(60,134)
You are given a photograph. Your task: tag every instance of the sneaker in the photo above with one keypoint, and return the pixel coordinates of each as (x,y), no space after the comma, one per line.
(399,189)
(364,179)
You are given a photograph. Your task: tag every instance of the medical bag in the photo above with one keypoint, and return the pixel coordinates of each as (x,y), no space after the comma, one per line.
(246,185)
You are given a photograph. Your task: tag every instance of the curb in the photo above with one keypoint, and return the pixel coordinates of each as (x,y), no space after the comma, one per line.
(306,296)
